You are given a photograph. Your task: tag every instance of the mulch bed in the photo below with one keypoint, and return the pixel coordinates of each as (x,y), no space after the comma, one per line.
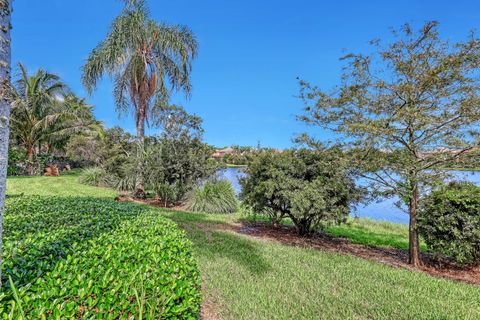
(152,202)
(435,266)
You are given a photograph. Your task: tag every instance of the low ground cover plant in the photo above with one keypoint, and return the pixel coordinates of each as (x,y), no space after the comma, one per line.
(214,196)
(449,221)
(89,257)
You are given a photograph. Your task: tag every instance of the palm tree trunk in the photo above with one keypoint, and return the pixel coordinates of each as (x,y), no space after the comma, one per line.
(30,152)
(414,247)
(139,179)
(5,61)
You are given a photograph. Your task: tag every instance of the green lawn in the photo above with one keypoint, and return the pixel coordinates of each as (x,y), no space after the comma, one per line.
(373,233)
(61,186)
(246,278)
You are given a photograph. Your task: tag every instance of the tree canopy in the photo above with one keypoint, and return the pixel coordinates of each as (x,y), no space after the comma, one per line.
(410,108)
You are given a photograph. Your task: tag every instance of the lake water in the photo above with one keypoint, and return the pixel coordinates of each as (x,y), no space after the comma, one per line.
(384,209)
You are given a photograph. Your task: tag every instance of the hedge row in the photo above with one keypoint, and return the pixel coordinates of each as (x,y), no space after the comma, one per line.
(93,258)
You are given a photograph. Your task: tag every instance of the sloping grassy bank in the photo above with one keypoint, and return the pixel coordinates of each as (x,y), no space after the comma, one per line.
(250,278)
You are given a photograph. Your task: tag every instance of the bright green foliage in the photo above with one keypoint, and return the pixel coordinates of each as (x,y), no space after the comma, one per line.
(89,257)
(449,221)
(249,278)
(311,188)
(214,197)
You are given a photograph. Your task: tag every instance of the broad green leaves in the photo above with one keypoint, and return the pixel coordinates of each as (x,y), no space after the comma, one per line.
(85,257)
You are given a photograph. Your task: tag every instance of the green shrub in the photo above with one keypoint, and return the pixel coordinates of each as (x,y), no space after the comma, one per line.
(449,221)
(94,176)
(173,165)
(311,188)
(94,258)
(16,161)
(214,197)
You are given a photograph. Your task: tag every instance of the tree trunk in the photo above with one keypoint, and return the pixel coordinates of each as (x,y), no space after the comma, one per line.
(30,152)
(414,247)
(5,61)
(139,188)
(303,227)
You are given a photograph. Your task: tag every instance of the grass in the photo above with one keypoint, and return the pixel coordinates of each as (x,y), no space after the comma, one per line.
(373,233)
(247,278)
(363,231)
(65,185)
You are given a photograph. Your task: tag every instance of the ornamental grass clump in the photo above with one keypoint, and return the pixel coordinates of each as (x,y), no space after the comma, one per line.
(213,197)
(94,176)
(72,258)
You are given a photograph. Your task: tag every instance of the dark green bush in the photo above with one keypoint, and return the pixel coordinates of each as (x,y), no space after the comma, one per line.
(93,258)
(214,197)
(311,188)
(449,221)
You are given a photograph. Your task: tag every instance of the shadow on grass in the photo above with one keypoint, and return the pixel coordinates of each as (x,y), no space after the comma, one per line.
(213,240)
(40,231)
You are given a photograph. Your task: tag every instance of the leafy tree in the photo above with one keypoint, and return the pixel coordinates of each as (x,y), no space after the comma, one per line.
(148,60)
(5,62)
(311,188)
(414,103)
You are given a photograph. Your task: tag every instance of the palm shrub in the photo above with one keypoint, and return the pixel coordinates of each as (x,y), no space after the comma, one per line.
(310,188)
(94,176)
(214,196)
(449,221)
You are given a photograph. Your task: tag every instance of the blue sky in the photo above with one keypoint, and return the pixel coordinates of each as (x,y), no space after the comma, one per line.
(251,52)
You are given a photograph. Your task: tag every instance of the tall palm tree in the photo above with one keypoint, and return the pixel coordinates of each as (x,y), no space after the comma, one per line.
(147,61)
(5,61)
(78,118)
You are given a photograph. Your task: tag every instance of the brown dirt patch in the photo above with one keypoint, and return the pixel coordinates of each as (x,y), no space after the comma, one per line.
(436,266)
(151,202)
(210,307)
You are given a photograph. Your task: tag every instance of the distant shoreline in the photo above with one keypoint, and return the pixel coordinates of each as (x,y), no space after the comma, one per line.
(234,165)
